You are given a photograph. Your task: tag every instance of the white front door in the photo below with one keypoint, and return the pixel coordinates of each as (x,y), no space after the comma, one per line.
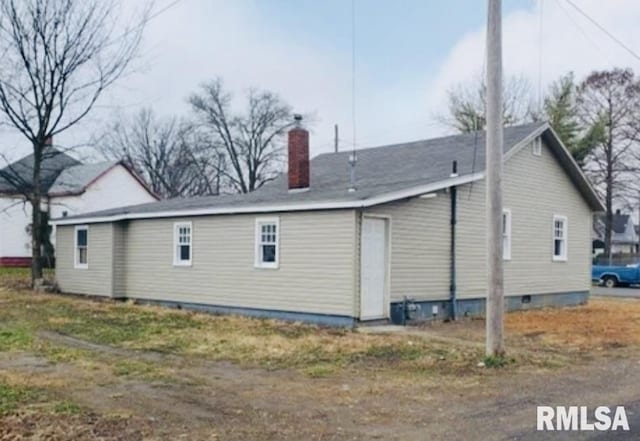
(373,261)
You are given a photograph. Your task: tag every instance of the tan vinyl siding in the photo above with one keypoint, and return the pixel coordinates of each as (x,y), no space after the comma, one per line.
(535,188)
(97,279)
(119,259)
(356,264)
(471,249)
(315,274)
(419,246)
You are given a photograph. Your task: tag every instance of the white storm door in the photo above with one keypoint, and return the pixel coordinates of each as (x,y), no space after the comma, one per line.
(373,261)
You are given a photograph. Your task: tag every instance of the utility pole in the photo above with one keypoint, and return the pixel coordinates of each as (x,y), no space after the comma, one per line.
(495,275)
(637,244)
(335,137)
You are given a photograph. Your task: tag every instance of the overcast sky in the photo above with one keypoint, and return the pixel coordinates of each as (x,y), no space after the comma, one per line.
(408,53)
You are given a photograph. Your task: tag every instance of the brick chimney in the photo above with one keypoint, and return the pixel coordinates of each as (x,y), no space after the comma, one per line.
(48,142)
(299,177)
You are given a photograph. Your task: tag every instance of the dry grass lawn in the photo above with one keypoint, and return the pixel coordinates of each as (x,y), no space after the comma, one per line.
(603,323)
(68,364)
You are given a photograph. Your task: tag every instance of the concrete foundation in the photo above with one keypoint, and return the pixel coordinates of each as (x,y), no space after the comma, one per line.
(441,309)
(317,319)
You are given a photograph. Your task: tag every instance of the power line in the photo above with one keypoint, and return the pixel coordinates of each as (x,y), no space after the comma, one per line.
(582,31)
(540,50)
(353,71)
(604,30)
(353,157)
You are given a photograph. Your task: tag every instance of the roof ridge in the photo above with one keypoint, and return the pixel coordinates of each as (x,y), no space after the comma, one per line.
(436,139)
(92,164)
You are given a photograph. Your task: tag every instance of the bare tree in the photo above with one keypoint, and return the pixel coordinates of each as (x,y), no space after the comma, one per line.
(467,104)
(172,155)
(58,57)
(608,107)
(252,143)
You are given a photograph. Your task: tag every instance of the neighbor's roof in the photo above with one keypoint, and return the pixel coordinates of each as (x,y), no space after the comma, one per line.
(621,233)
(76,179)
(383,174)
(620,222)
(17,176)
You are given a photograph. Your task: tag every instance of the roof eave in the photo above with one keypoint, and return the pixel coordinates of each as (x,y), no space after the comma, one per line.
(273,208)
(574,170)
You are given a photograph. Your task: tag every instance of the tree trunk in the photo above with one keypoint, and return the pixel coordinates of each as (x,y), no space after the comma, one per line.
(608,231)
(36,218)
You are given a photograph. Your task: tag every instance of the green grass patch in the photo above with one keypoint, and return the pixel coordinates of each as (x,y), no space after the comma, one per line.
(141,369)
(20,278)
(11,397)
(499,361)
(394,352)
(66,408)
(121,324)
(321,370)
(17,337)
(62,354)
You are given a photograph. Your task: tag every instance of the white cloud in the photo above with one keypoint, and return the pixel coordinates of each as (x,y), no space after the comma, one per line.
(198,39)
(569,43)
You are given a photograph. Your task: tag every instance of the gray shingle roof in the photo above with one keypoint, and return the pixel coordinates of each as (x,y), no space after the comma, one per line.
(75,179)
(620,222)
(622,231)
(379,171)
(17,176)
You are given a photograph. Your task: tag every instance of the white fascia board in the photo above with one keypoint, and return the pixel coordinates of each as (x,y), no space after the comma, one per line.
(304,206)
(528,139)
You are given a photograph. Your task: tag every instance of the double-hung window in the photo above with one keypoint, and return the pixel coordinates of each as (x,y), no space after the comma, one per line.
(560,235)
(267,242)
(182,243)
(81,254)
(506,234)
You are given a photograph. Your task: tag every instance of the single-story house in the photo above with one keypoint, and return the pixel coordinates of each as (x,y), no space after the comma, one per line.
(399,233)
(69,188)
(624,237)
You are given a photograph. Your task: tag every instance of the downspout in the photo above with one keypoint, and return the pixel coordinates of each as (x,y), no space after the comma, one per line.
(454,219)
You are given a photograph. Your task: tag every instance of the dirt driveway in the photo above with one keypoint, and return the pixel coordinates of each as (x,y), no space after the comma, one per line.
(74,369)
(222,401)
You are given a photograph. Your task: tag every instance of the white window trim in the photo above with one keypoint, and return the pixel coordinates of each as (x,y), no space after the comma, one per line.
(563,257)
(76,264)
(536,147)
(176,229)
(506,252)
(257,239)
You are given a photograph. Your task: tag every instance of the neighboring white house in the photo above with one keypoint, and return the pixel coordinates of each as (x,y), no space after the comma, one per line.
(400,236)
(70,188)
(624,237)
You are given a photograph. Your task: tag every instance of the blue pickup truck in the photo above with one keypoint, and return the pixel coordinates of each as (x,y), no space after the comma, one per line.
(616,275)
